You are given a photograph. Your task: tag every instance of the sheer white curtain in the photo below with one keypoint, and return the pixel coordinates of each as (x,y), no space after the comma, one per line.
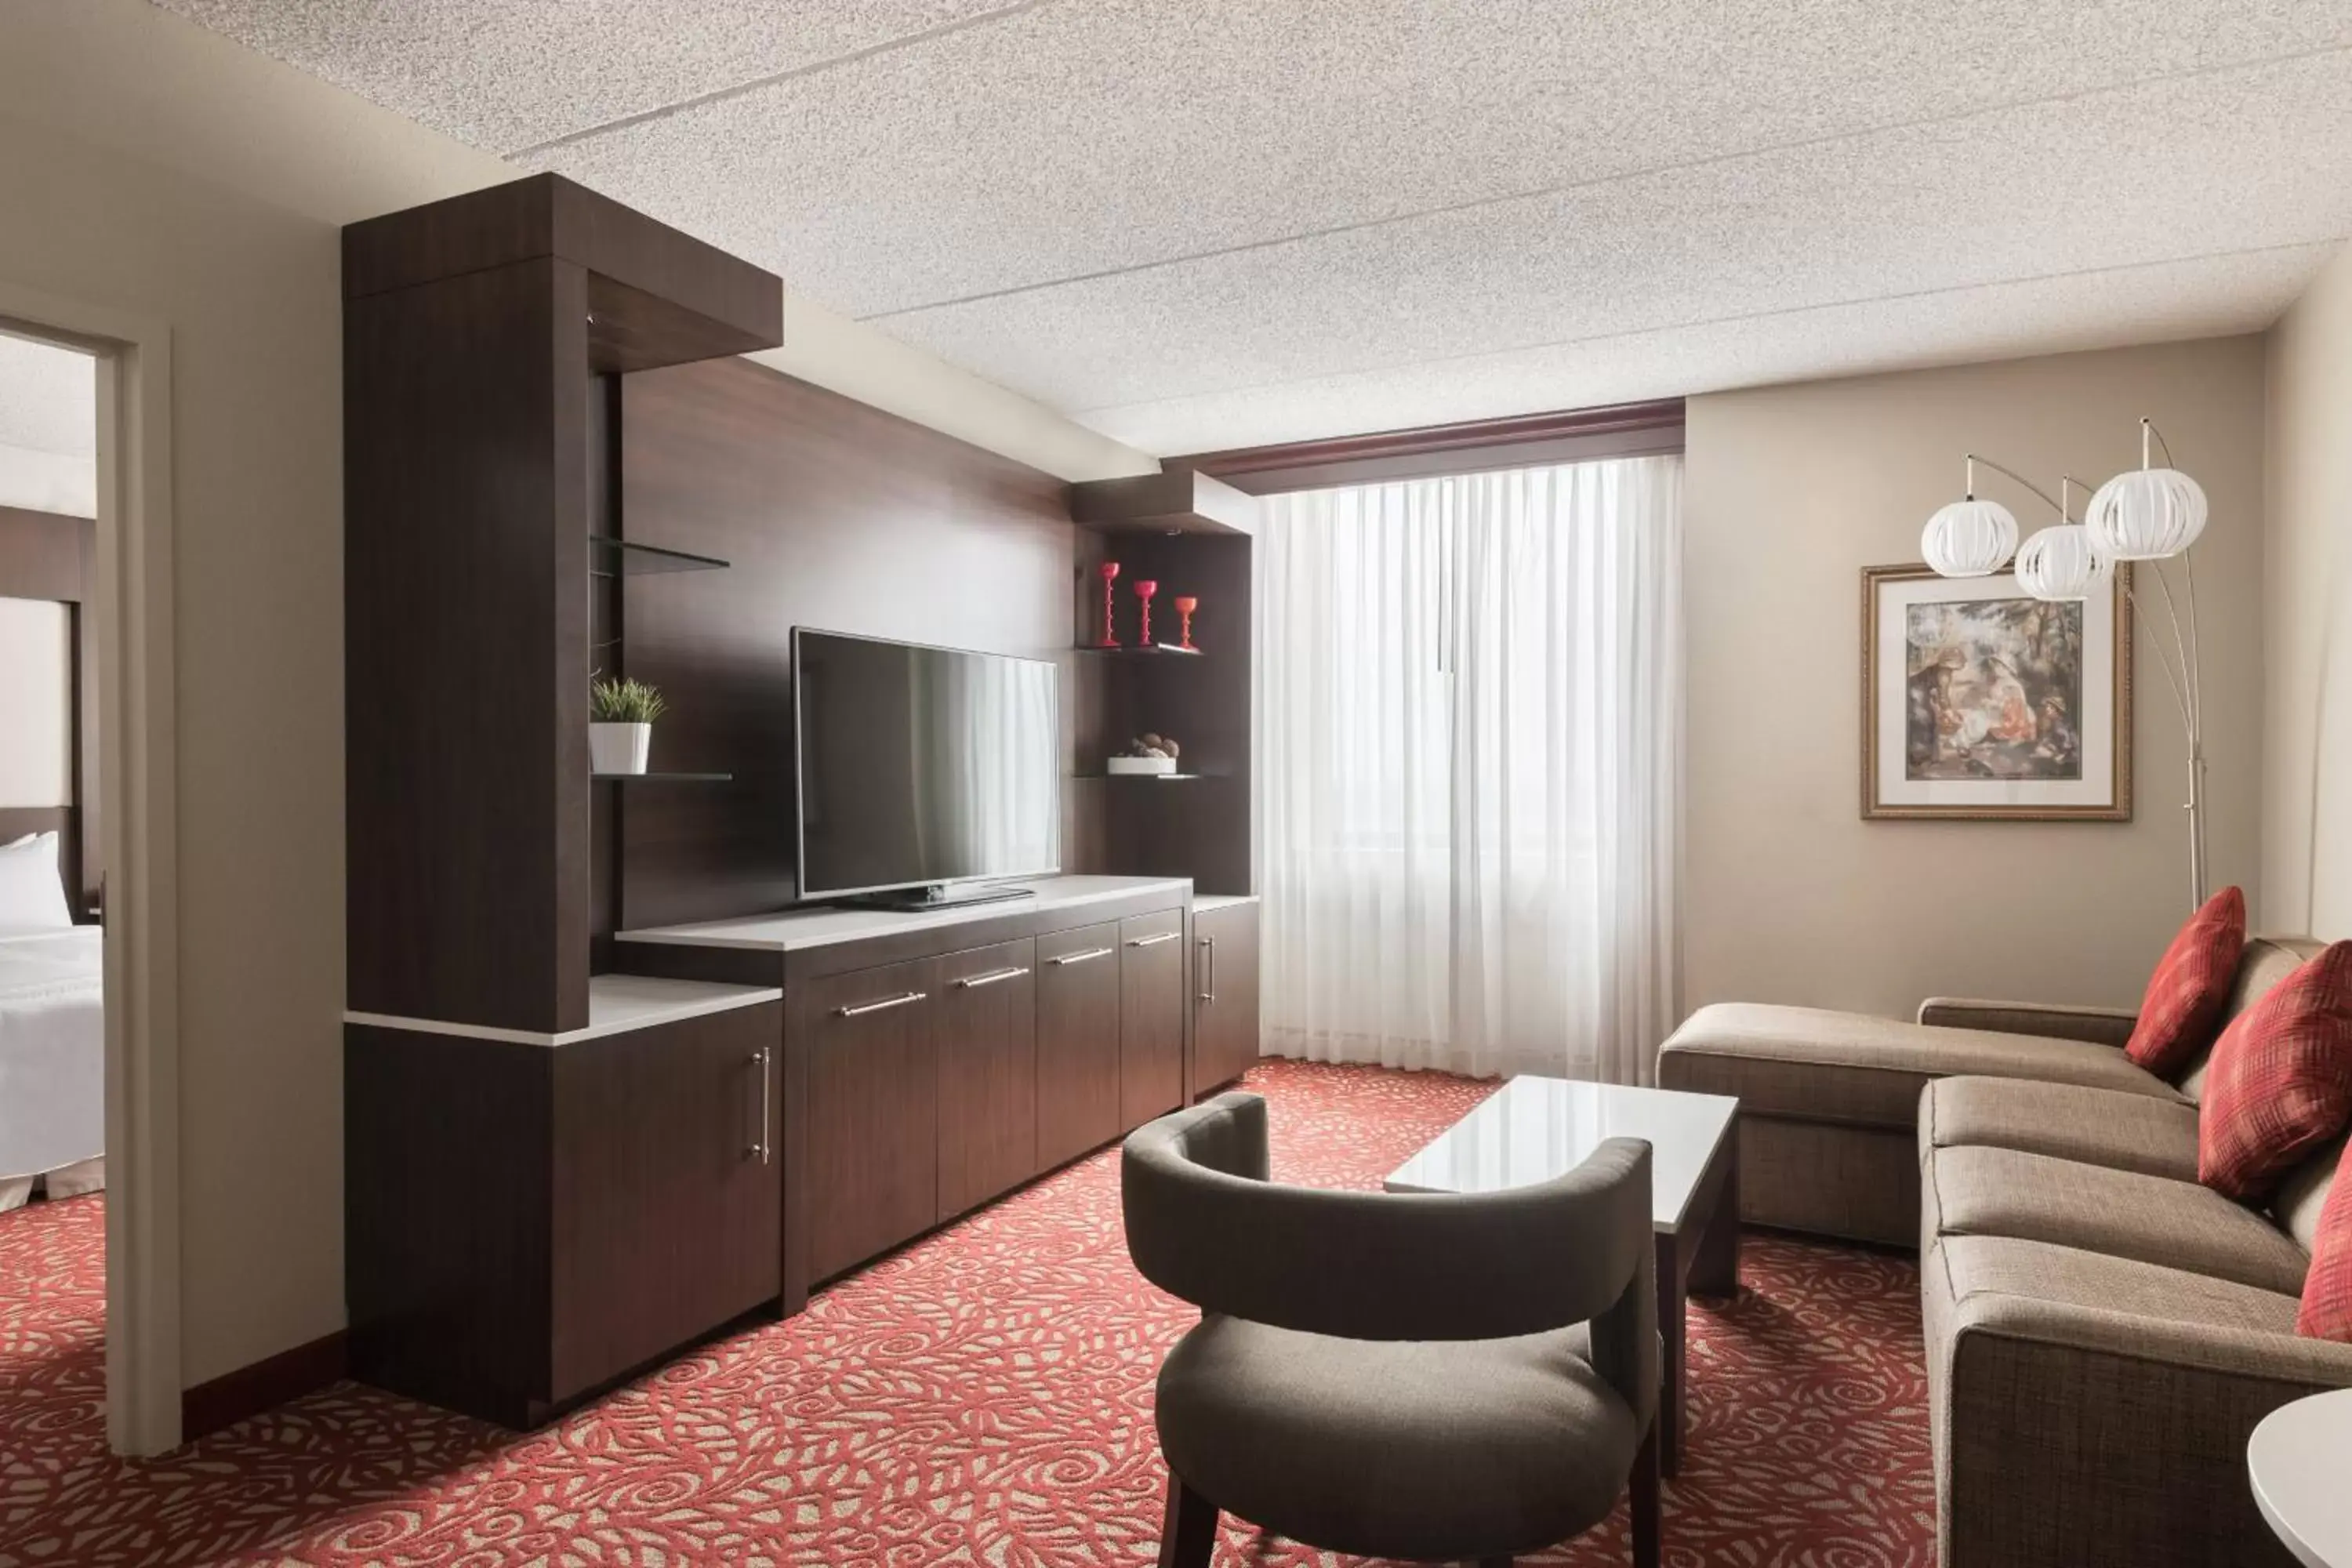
(1468,742)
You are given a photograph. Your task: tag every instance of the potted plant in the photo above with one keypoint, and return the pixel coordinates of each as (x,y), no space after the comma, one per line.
(621,715)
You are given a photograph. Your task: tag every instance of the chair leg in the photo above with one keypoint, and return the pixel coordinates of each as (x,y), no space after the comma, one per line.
(1189,1533)
(1643,1501)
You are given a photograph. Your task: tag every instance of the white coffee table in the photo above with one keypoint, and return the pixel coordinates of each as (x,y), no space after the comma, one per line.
(1535,1128)
(2299,1459)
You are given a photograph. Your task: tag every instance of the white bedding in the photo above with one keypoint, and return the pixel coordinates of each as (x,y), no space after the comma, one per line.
(52,1051)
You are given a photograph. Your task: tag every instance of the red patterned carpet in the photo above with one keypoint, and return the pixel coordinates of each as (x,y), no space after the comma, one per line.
(982,1398)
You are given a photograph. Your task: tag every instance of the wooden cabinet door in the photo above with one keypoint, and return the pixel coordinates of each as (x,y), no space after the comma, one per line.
(1224,996)
(868,1173)
(666,1189)
(985,1023)
(1151,1015)
(1077,1042)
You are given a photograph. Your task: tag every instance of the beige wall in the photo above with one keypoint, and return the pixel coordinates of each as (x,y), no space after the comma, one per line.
(1788,895)
(2307,632)
(250,295)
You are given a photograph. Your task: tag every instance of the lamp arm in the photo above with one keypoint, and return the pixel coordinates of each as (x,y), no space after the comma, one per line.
(2021,479)
(2088,489)
(2181,647)
(2196,658)
(2164,662)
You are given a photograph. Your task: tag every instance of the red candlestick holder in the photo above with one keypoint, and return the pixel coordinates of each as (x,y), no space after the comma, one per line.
(1185,605)
(1144,588)
(1109,570)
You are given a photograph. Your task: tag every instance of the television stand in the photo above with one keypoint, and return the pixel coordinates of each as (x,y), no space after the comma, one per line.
(939,897)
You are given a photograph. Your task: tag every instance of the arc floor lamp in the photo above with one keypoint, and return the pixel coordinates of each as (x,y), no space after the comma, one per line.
(2148,514)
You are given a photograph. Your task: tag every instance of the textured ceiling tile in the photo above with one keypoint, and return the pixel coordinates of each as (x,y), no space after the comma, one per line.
(48,398)
(1092,136)
(1214,213)
(508,74)
(2150,304)
(2194,167)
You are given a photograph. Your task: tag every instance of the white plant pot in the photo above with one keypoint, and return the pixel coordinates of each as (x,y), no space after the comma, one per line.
(1141,764)
(618,748)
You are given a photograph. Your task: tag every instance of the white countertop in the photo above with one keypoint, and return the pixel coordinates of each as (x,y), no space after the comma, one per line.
(789,931)
(1204,903)
(2297,1460)
(616,1003)
(1534,1129)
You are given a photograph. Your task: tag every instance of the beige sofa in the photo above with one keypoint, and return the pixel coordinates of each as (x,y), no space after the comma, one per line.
(2102,1333)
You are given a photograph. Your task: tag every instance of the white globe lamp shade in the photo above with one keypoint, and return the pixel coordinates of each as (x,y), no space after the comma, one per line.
(1969,539)
(2062,564)
(2146,514)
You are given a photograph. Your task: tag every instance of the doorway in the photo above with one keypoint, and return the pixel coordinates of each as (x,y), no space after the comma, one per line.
(87,974)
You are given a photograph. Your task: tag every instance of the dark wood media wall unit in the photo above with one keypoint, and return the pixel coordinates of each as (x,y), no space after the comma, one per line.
(606,1093)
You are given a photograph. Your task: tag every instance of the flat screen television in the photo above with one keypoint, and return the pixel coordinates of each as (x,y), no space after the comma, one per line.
(922,768)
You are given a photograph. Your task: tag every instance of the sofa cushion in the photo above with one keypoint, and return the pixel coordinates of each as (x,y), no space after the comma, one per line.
(1827,1065)
(2280,1084)
(2116,1288)
(2095,1126)
(2327,1312)
(2266,961)
(2121,1213)
(2181,1011)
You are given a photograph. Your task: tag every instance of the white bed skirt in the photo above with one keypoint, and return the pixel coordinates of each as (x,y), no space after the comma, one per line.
(52,1061)
(65,1182)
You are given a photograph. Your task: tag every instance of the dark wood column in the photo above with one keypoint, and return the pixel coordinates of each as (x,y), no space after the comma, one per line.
(472,331)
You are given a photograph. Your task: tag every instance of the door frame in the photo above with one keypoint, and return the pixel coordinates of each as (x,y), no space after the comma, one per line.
(137,814)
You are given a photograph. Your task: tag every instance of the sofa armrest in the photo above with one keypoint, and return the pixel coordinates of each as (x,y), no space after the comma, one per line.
(2100,1026)
(2044,1412)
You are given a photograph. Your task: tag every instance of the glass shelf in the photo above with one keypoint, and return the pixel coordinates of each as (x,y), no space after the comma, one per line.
(626,558)
(1151,650)
(663,778)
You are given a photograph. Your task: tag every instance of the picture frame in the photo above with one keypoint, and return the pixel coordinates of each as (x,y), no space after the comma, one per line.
(1982,703)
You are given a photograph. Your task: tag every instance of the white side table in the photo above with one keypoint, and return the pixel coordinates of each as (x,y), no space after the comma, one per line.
(2299,1458)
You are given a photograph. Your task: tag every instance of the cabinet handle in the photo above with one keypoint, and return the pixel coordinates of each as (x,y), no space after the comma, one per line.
(1208,981)
(882,1006)
(766,1147)
(1080,957)
(1153,941)
(974,982)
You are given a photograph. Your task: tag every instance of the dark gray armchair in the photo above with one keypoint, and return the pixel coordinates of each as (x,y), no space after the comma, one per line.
(1431,1378)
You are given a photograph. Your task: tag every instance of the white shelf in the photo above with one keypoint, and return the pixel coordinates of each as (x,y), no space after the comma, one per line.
(617,1004)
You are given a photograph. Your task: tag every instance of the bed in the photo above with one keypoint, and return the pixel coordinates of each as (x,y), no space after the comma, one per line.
(52,887)
(52,1063)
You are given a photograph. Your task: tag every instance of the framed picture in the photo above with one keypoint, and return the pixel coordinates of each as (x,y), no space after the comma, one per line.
(1981,702)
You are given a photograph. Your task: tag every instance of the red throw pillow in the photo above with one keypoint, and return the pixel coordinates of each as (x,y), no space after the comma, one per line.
(2190,986)
(2326,1312)
(2280,1083)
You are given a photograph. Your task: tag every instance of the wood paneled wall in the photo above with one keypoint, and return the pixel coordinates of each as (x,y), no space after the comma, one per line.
(834,515)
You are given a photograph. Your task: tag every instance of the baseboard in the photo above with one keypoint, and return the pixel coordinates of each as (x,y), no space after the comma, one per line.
(229,1398)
